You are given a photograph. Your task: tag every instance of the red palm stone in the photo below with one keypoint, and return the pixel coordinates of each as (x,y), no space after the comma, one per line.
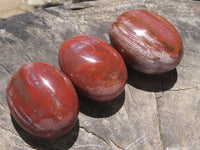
(147,41)
(96,68)
(42,100)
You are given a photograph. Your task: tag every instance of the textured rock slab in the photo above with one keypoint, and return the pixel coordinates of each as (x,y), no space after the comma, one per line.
(154,112)
(42,3)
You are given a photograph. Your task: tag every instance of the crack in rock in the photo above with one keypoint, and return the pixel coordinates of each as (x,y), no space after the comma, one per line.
(158,120)
(94,134)
(117,145)
(4,67)
(189,66)
(2,105)
(15,134)
(29,57)
(9,131)
(79,6)
(83,128)
(137,142)
(184,89)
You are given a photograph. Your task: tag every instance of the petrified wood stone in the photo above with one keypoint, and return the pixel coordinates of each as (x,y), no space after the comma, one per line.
(154,112)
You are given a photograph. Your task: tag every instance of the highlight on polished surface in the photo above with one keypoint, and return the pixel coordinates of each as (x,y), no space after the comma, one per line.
(42,100)
(147,42)
(96,69)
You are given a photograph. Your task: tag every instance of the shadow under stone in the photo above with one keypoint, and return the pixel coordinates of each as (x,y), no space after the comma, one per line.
(99,109)
(150,82)
(64,142)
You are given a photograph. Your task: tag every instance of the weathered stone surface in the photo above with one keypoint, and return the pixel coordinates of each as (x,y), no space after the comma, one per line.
(42,3)
(9,7)
(153,113)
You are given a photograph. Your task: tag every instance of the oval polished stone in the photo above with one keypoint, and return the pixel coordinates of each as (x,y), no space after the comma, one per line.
(42,100)
(147,41)
(96,68)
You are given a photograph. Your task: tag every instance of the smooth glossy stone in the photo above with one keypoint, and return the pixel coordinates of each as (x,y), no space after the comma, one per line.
(147,42)
(42,100)
(96,68)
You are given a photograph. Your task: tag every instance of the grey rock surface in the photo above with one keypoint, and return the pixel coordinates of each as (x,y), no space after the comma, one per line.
(42,3)
(155,112)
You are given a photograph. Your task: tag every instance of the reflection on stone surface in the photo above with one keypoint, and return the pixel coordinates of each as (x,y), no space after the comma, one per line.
(43,100)
(147,42)
(95,68)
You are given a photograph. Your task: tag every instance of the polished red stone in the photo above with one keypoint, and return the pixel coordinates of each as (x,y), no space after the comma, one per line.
(147,41)
(42,100)
(96,68)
